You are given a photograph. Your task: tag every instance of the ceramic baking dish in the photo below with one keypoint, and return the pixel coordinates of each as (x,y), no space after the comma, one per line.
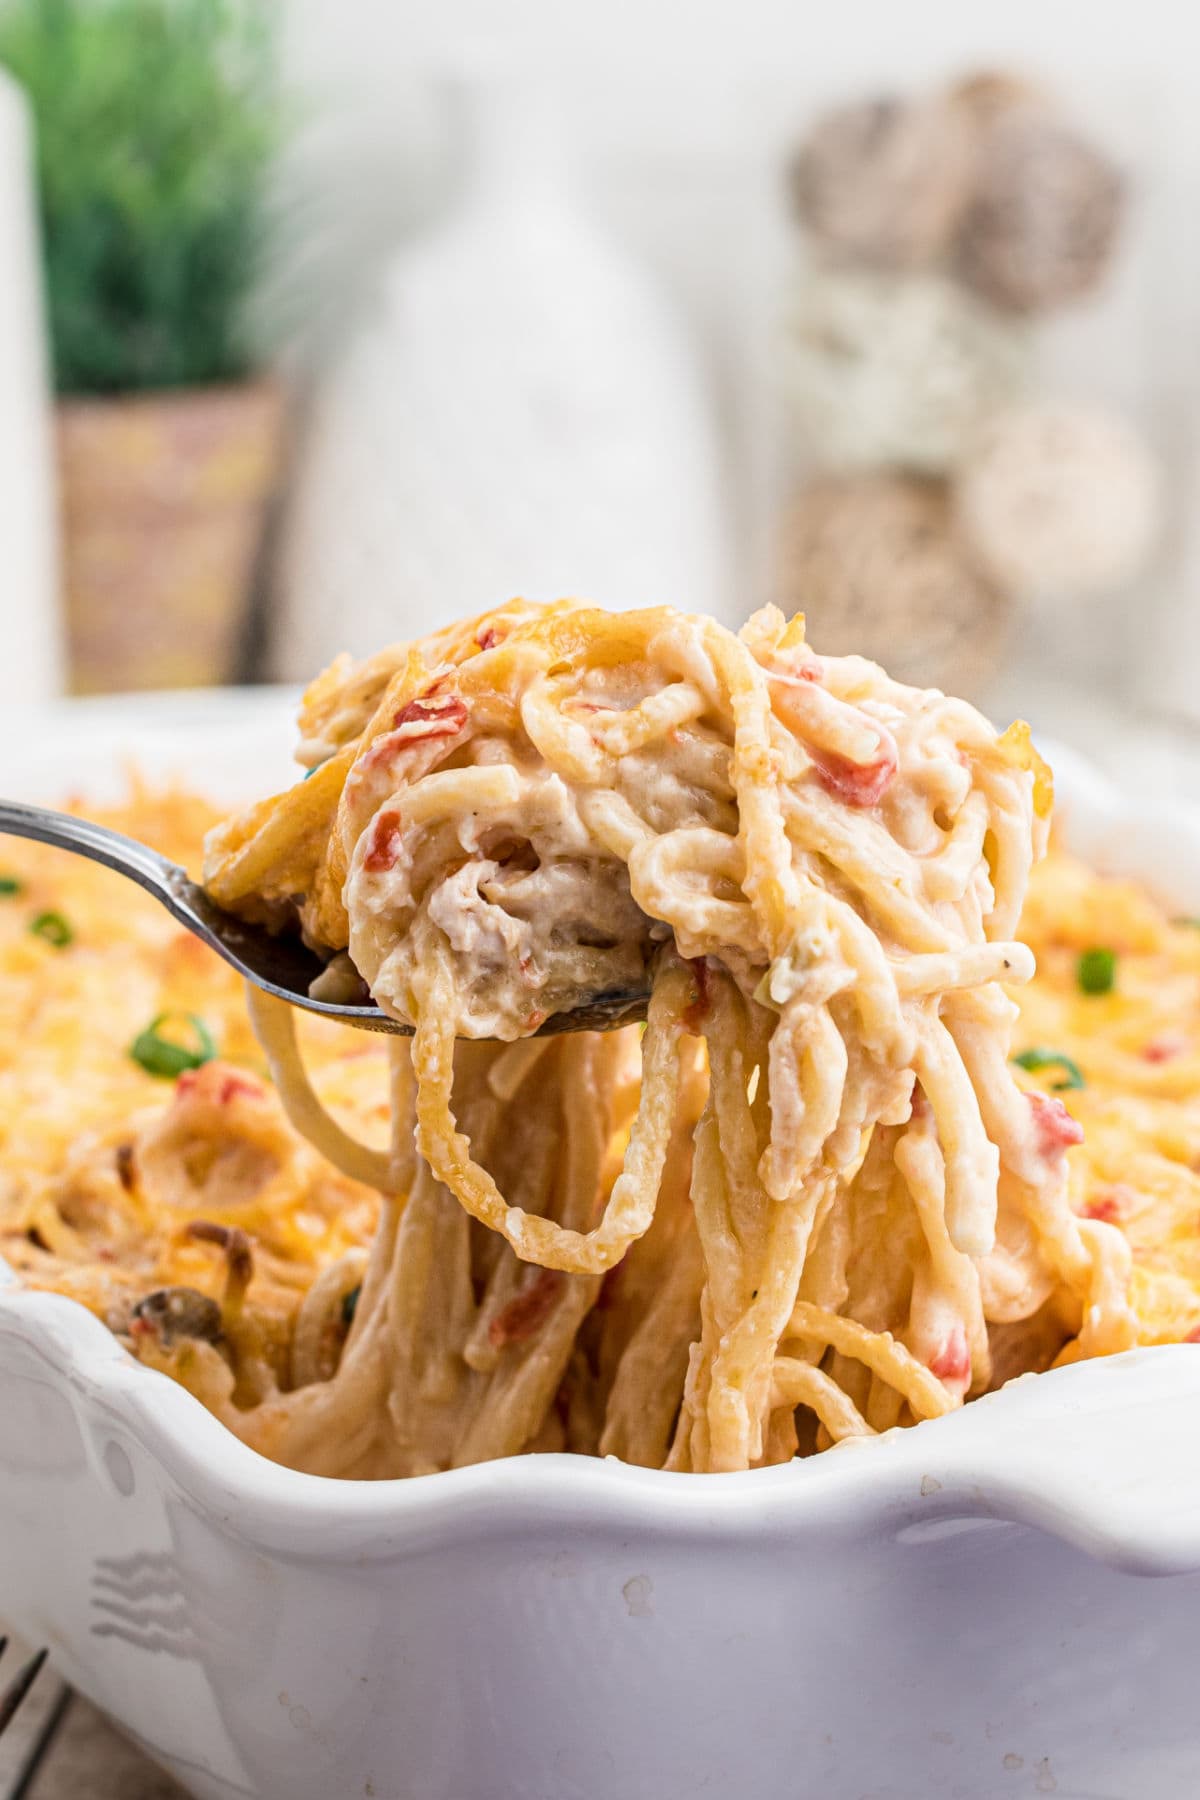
(1004,1602)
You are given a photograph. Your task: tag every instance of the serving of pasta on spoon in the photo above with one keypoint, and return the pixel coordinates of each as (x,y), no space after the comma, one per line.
(810,1199)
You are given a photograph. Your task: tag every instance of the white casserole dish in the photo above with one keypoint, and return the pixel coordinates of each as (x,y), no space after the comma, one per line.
(963,1610)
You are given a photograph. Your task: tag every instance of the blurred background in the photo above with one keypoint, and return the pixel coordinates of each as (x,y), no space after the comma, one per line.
(323,321)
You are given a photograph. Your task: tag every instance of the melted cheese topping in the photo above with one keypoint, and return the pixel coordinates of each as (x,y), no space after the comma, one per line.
(1138,1050)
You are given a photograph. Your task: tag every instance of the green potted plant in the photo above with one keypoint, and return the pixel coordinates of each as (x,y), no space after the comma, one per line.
(157,125)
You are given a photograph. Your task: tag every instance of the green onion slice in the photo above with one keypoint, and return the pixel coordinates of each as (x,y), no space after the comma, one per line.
(1039,1058)
(1096,971)
(9,885)
(54,928)
(164,1056)
(350,1305)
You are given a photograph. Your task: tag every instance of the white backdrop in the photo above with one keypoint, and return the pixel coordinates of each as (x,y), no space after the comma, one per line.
(662,83)
(673,102)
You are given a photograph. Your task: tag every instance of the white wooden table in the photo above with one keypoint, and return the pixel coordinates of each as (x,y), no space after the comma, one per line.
(87,1759)
(60,1748)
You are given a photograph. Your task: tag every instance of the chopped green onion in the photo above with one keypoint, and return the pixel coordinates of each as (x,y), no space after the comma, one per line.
(9,885)
(1052,1059)
(350,1305)
(1096,971)
(1190,920)
(54,928)
(162,1056)
(309,773)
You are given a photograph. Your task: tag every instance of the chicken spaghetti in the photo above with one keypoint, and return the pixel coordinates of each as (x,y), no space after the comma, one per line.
(836,1184)
(806,1212)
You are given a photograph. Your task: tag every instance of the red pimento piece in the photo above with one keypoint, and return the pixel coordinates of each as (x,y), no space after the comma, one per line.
(384,848)
(695,1012)
(857,784)
(1110,1206)
(434,715)
(232,1085)
(1193,1336)
(383,751)
(488,637)
(812,669)
(526,1312)
(430,715)
(1056,1129)
(1161,1050)
(217,1083)
(952,1360)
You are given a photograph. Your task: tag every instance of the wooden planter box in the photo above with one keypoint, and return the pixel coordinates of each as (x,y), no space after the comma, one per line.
(164,499)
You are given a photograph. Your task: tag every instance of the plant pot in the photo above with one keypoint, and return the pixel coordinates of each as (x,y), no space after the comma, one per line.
(164,501)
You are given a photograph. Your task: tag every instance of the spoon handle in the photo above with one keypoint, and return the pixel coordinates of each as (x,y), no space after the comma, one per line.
(141,864)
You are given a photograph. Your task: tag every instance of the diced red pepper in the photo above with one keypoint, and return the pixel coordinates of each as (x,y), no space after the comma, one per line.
(1162,1050)
(811,669)
(526,1312)
(383,751)
(217,1083)
(233,1084)
(858,784)
(434,715)
(952,1360)
(1055,1127)
(1110,1206)
(384,848)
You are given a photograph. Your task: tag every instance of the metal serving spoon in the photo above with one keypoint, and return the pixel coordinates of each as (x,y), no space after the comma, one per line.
(282,966)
